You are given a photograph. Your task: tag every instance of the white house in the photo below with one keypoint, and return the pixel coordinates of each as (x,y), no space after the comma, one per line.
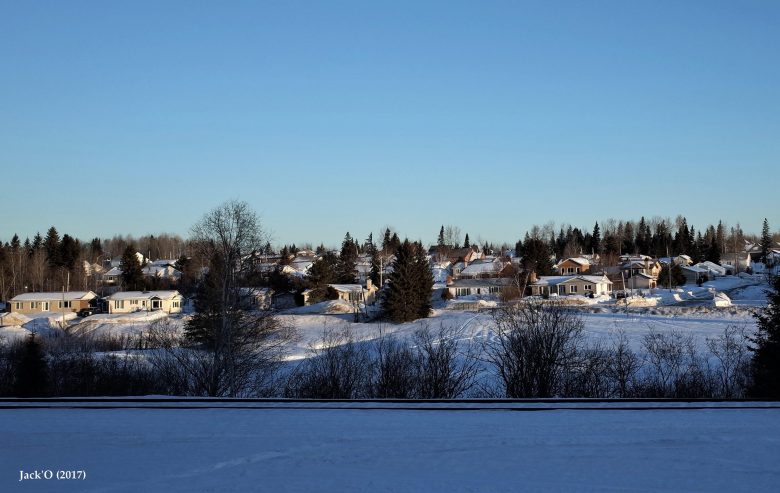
(356,292)
(132,301)
(479,287)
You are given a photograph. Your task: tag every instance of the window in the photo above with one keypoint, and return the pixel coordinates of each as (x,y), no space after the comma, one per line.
(573,288)
(19,305)
(588,287)
(33,305)
(119,304)
(63,304)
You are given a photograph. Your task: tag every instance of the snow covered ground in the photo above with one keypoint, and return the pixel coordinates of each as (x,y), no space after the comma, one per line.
(351,450)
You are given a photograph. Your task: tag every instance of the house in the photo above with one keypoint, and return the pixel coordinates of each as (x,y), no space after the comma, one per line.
(356,293)
(573,266)
(738,261)
(678,260)
(162,272)
(112,276)
(713,269)
(132,301)
(481,268)
(69,301)
(570,285)
(637,281)
(479,287)
(645,265)
(693,274)
(255,298)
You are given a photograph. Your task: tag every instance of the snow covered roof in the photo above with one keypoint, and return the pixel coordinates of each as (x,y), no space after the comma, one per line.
(693,268)
(347,287)
(144,295)
(114,271)
(55,296)
(593,279)
(576,260)
(551,280)
(482,268)
(472,283)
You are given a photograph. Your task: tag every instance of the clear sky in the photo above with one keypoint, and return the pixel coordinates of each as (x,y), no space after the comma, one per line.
(327,117)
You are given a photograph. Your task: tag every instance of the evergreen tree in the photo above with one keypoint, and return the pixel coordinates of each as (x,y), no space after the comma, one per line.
(536,255)
(629,240)
(69,252)
(132,273)
(95,249)
(37,241)
(323,272)
(440,240)
(205,323)
(408,293)
(31,370)
(766,243)
(373,253)
(347,260)
(52,246)
(466,242)
(285,256)
(395,242)
(386,241)
(765,364)
(595,239)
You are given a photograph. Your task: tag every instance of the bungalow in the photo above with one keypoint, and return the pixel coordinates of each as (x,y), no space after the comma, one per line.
(70,301)
(571,285)
(482,268)
(573,266)
(479,287)
(131,301)
(255,298)
(356,293)
(163,272)
(693,274)
(713,269)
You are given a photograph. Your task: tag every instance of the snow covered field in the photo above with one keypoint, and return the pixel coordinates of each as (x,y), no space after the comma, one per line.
(350,450)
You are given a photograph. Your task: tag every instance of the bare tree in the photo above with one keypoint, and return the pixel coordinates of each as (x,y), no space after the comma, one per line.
(733,370)
(534,345)
(337,368)
(624,366)
(447,365)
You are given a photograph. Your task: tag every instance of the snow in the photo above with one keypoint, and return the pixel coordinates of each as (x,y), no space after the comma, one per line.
(389,450)
(55,296)
(143,295)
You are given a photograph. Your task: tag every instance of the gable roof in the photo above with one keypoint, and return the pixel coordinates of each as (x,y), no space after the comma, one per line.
(144,295)
(55,296)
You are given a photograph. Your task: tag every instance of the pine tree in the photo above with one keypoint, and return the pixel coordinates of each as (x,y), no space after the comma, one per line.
(132,273)
(440,240)
(766,243)
(386,242)
(408,293)
(69,252)
(765,364)
(395,242)
(31,370)
(629,240)
(466,242)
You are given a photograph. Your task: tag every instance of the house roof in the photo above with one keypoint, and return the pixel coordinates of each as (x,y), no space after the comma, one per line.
(475,283)
(593,279)
(555,280)
(55,296)
(576,260)
(347,287)
(113,271)
(144,295)
(482,268)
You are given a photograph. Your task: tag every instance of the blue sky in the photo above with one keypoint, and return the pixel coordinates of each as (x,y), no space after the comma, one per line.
(327,117)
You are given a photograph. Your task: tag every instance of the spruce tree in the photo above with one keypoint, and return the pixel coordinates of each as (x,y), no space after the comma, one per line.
(595,240)
(466,242)
(766,243)
(132,273)
(52,246)
(536,255)
(408,293)
(440,240)
(765,364)
(347,260)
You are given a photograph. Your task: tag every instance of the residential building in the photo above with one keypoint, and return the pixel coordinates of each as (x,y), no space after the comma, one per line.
(68,301)
(170,301)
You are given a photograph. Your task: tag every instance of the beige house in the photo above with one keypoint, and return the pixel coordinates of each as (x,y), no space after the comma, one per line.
(69,301)
(479,287)
(571,285)
(133,301)
(356,292)
(573,266)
